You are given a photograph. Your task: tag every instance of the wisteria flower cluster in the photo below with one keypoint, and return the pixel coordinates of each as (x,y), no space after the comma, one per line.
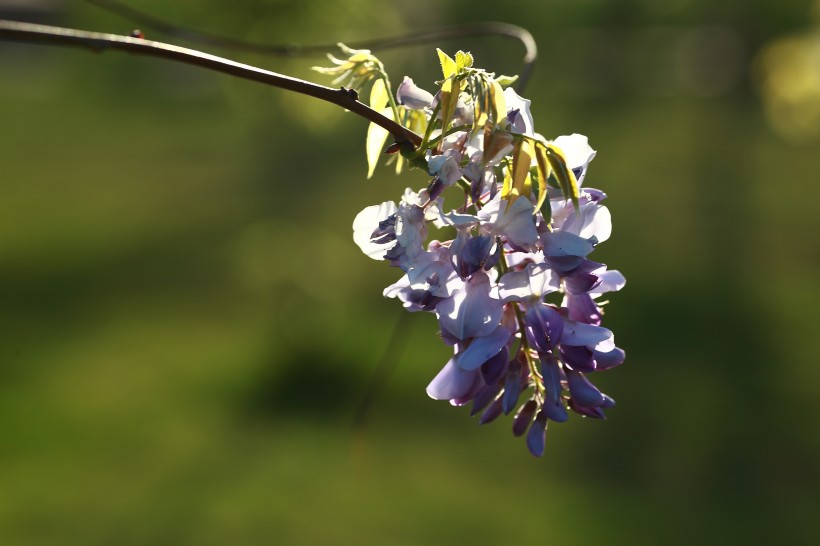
(513,288)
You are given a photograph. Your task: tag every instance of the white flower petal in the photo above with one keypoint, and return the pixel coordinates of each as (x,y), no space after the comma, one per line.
(611,281)
(577,151)
(366,222)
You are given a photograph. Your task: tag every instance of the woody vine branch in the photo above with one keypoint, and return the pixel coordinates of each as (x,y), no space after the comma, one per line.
(100,42)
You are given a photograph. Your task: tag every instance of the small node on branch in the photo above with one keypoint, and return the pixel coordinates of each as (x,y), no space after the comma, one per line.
(393,148)
(137,33)
(352,93)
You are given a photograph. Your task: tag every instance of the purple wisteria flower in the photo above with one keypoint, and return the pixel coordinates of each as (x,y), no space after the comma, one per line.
(514,290)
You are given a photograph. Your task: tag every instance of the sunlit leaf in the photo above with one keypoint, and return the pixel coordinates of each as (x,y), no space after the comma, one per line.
(376,136)
(463,60)
(448,65)
(378,95)
(544,171)
(522,159)
(506,81)
(507,186)
(563,174)
(481,102)
(499,104)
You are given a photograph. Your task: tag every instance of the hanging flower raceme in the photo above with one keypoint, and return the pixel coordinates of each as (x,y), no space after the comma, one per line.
(514,290)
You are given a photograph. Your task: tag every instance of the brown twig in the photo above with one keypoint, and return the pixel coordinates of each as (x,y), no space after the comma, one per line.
(96,41)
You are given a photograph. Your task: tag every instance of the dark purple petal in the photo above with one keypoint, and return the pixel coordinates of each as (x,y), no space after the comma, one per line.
(609,402)
(512,386)
(473,255)
(581,283)
(436,188)
(493,258)
(605,361)
(553,404)
(415,300)
(544,327)
(582,391)
(583,279)
(491,413)
(494,369)
(583,308)
(524,417)
(537,435)
(482,348)
(595,413)
(563,264)
(578,358)
(483,398)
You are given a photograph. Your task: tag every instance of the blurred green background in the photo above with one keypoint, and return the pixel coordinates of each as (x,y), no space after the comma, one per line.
(186,327)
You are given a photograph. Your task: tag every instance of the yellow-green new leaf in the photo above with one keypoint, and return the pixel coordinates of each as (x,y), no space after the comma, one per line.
(449,101)
(481,102)
(564,175)
(448,65)
(463,60)
(499,104)
(544,171)
(378,95)
(376,136)
(507,186)
(506,81)
(522,159)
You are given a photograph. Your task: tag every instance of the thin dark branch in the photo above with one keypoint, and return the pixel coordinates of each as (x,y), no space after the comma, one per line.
(95,41)
(450,33)
(385,366)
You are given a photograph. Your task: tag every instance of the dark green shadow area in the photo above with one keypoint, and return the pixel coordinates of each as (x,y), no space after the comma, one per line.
(187,329)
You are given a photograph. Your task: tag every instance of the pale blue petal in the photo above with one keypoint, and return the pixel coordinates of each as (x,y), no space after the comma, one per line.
(412,96)
(562,243)
(578,333)
(482,348)
(451,382)
(471,312)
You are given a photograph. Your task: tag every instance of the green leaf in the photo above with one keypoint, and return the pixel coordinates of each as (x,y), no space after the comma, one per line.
(448,65)
(495,141)
(376,136)
(507,186)
(499,104)
(506,81)
(378,95)
(521,180)
(564,175)
(449,101)
(544,171)
(463,60)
